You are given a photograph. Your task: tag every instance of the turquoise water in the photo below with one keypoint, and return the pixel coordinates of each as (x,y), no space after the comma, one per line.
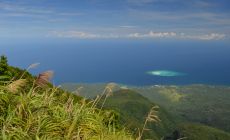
(166,73)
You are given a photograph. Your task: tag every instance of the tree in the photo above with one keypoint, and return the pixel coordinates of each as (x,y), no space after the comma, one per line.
(3,65)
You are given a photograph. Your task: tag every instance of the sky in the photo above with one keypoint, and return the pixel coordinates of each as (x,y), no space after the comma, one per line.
(115,19)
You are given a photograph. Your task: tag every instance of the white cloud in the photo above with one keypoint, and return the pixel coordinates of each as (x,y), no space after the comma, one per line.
(152,34)
(161,34)
(135,35)
(73,34)
(87,35)
(80,35)
(212,36)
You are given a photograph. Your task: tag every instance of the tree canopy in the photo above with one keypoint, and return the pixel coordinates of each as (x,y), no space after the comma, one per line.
(3,65)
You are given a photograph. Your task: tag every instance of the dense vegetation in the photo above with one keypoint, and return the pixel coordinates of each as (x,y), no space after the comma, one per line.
(39,111)
(193,131)
(43,115)
(180,104)
(133,108)
(204,104)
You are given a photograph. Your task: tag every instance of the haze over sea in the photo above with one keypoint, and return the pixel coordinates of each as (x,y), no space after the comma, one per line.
(124,61)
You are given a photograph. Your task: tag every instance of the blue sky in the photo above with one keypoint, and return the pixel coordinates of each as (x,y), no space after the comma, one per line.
(115,19)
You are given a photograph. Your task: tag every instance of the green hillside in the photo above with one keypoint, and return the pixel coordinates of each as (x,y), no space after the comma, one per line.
(208,105)
(204,104)
(201,132)
(133,109)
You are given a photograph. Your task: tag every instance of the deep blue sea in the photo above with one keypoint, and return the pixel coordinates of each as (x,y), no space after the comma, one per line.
(125,62)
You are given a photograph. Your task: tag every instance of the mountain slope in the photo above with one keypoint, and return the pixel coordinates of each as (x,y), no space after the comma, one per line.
(201,132)
(204,104)
(133,109)
(208,105)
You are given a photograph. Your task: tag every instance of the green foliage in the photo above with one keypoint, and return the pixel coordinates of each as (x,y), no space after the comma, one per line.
(49,114)
(4,67)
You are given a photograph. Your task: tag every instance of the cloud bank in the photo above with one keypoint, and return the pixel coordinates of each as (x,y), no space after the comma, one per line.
(149,35)
(152,34)
(212,36)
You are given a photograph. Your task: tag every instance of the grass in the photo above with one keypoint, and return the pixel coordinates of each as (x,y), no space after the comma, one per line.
(50,113)
(32,108)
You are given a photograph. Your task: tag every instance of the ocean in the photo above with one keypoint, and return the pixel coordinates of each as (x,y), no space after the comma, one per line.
(124,61)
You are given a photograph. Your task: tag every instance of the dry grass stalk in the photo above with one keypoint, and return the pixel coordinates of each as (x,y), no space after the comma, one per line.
(95,101)
(69,105)
(16,85)
(34,65)
(107,92)
(78,91)
(30,67)
(109,88)
(151,117)
(44,78)
(111,85)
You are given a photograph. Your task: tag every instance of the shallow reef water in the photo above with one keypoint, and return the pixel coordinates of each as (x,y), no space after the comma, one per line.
(166,73)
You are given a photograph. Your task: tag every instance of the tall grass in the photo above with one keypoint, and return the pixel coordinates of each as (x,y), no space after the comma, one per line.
(48,113)
(31,108)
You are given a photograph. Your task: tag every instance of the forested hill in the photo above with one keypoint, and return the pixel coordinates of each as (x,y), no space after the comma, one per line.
(199,104)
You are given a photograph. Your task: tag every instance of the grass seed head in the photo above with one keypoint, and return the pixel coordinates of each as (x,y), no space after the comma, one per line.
(16,85)
(44,78)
